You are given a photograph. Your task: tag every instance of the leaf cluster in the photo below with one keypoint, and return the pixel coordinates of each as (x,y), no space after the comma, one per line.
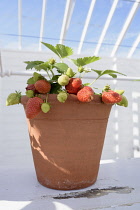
(61,67)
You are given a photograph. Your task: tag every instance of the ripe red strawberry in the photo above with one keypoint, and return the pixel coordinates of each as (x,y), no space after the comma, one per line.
(30,87)
(33,107)
(89,89)
(76,82)
(85,95)
(73,87)
(111,97)
(43,86)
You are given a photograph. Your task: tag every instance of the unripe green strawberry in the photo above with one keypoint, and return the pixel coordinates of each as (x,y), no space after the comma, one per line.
(70,72)
(80,69)
(13,98)
(45,107)
(30,93)
(123,102)
(62,97)
(63,80)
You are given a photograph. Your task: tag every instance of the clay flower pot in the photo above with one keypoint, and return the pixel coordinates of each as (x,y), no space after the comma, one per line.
(67,142)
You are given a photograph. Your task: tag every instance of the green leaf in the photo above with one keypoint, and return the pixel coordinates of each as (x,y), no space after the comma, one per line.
(55,88)
(30,81)
(32,64)
(44,66)
(123,102)
(51,47)
(120,91)
(84,61)
(37,76)
(86,84)
(111,73)
(55,78)
(61,67)
(63,50)
(97,71)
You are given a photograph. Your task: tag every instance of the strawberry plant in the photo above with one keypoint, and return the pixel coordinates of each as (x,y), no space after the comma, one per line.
(62,79)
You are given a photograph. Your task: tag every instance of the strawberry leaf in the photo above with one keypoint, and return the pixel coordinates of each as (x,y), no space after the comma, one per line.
(55,77)
(111,73)
(55,88)
(51,47)
(120,91)
(63,50)
(32,64)
(37,76)
(84,61)
(30,81)
(97,71)
(86,84)
(44,66)
(61,67)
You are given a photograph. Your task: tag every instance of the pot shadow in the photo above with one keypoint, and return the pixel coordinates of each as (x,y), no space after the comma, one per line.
(20,190)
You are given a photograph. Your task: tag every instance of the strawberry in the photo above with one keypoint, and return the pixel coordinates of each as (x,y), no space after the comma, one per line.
(33,107)
(45,107)
(73,89)
(63,80)
(85,95)
(42,86)
(76,82)
(29,93)
(13,98)
(30,87)
(62,97)
(70,72)
(89,88)
(111,97)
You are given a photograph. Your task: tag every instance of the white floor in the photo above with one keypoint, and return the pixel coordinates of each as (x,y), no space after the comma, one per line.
(118,184)
(117,187)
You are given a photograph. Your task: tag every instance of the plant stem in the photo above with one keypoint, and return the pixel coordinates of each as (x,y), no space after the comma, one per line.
(52,71)
(48,74)
(47,97)
(94,80)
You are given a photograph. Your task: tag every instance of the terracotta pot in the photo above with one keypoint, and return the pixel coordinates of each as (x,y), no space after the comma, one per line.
(67,142)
